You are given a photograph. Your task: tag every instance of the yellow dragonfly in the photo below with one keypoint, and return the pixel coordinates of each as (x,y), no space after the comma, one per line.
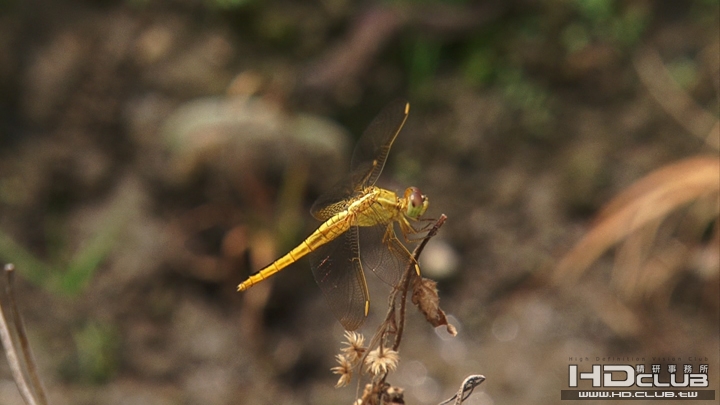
(358,231)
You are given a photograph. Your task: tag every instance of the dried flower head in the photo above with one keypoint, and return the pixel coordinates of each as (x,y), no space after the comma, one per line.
(355,347)
(382,360)
(370,395)
(344,370)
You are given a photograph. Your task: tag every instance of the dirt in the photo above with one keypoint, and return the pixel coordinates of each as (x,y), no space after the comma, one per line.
(154,154)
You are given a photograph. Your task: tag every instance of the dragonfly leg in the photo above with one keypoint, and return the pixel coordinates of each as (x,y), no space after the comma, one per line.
(391,240)
(410,233)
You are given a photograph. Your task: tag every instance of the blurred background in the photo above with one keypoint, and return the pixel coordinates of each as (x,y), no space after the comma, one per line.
(153,154)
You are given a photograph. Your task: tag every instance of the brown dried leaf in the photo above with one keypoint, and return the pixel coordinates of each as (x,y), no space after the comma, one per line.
(393,396)
(649,199)
(425,297)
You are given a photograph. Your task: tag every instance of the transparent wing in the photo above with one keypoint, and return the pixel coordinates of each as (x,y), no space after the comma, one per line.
(338,273)
(373,148)
(338,197)
(382,253)
(367,162)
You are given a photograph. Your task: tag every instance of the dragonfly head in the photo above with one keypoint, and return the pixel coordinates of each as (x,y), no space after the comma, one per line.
(415,203)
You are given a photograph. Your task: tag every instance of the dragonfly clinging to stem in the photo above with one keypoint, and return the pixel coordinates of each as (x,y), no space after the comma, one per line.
(357,233)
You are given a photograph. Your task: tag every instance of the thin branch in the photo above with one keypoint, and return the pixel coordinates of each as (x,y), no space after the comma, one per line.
(396,316)
(466,389)
(409,273)
(24,342)
(674,99)
(403,287)
(32,392)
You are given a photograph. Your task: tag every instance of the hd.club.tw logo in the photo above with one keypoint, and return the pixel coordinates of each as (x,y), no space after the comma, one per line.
(636,381)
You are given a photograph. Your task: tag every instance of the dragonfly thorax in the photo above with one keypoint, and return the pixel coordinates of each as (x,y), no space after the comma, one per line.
(374,206)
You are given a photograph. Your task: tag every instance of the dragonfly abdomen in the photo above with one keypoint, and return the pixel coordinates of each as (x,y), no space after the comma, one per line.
(329,230)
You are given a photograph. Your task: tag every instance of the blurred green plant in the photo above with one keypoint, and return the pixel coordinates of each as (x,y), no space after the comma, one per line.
(96,353)
(531,99)
(705,12)
(423,59)
(230,4)
(411,2)
(289,224)
(480,66)
(68,273)
(684,71)
(596,11)
(575,37)
(604,20)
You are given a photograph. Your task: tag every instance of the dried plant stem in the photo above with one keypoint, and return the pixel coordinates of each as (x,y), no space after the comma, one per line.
(381,354)
(649,199)
(394,323)
(32,392)
(466,389)
(676,101)
(408,275)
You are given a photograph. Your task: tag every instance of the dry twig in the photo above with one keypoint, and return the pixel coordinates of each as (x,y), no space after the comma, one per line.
(466,389)
(674,100)
(381,357)
(650,199)
(22,366)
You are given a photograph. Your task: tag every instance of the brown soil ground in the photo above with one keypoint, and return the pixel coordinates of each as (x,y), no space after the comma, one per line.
(153,154)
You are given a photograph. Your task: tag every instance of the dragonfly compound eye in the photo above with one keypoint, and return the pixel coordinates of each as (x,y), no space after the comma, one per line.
(417,202)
